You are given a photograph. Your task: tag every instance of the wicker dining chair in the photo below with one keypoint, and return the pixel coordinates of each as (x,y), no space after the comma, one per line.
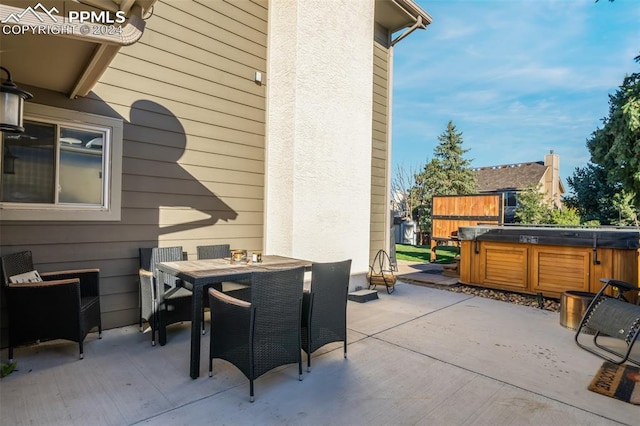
(163,299)
(612,320)
(263,332)
(62,305)
(214,251)
(220,251)
(324,308)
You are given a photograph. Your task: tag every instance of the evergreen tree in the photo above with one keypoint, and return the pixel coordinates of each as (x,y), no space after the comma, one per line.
(592,195)
(616,147)
(456,177)
(532,207)
(448,173)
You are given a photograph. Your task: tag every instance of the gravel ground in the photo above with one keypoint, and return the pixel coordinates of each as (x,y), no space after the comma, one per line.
(552,305)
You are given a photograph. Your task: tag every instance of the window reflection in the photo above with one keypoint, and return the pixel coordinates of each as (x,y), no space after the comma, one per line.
(30,161)
(81,165)
(32,155)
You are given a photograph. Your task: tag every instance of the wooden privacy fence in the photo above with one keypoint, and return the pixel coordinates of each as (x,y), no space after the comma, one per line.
(449,212)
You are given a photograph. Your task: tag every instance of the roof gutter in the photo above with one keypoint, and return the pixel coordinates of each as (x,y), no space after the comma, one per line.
(411,29)
(412,9)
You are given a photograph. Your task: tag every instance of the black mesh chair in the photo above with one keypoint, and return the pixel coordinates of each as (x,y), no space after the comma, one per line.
(612,319)
(324,308)
(220,251)
(163,300)
(64,305)
(260,333)
(216,251)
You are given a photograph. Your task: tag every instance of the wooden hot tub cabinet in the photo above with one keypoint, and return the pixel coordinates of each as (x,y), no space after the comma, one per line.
(547,260)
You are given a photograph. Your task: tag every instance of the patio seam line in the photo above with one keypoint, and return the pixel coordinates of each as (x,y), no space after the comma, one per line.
(182,405)
(328,352)
(471,414)
(186,404)
(413,319)
(498,380)
(487,376)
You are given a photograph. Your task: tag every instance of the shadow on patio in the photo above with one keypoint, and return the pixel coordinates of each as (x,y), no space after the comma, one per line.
(419,356)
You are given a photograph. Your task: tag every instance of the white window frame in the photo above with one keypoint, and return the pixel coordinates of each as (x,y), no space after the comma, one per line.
(506,198)
(110,210)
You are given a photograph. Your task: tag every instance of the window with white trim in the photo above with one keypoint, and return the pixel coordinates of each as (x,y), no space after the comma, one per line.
(510,199)
(65,166)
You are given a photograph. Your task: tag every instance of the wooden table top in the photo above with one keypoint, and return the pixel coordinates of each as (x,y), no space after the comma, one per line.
(215,268)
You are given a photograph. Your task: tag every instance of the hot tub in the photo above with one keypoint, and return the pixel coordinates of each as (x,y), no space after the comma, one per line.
(547,260)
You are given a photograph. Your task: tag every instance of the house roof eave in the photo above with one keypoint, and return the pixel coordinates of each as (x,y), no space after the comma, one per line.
(81,56)
(396,15)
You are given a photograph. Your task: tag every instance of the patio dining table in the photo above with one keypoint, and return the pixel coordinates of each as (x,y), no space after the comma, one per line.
(200,274)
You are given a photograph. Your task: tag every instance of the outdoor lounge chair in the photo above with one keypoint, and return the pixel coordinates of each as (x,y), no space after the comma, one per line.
(324,308)
(163,300)
(263,332)
(49,305)
(612,320)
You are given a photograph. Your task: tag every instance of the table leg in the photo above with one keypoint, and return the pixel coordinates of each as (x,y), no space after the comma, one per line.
(196,311)
(162,328)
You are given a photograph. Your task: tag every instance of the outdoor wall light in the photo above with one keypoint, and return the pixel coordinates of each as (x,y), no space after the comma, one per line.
(11,105)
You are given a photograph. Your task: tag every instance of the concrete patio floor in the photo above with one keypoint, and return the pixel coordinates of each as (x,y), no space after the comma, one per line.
(421,355)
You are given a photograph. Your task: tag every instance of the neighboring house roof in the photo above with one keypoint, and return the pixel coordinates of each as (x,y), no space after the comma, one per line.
(509,176)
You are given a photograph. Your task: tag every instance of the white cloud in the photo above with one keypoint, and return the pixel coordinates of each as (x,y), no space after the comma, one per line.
(516,77)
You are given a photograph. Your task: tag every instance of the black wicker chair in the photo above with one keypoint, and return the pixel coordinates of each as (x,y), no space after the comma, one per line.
(263,332)
(324,308)
(64,305)
(219,251)
(216,251)
(610,317)
(164,304)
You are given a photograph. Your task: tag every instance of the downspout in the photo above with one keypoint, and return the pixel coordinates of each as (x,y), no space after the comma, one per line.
(418,24)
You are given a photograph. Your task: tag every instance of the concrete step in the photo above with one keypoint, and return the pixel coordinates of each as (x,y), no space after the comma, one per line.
(362,296)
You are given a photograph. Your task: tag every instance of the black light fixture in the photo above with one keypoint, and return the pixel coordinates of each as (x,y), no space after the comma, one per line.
(11,105)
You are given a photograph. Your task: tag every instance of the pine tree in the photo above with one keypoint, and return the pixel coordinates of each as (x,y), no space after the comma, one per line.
(448,173)
(455,177)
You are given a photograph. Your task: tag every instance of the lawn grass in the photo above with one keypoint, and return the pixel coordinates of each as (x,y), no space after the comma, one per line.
(444,254)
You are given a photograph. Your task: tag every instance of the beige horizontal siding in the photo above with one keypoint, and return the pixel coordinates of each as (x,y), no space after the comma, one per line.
(218,98)
(193,162)
(147,199)
(210,25)
(379,147)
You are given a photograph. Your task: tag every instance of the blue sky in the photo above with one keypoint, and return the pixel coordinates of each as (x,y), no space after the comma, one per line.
(517,77)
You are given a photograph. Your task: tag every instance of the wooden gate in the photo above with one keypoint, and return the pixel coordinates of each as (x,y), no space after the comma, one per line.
(448,212)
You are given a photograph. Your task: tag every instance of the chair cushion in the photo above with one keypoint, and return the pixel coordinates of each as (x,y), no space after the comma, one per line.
(26,277)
